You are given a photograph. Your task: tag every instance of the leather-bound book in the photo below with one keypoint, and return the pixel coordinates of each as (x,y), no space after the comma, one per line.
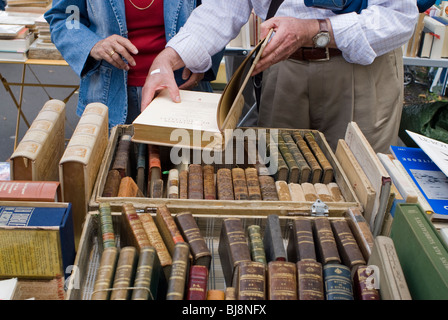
(273,241)
(230,293)
(224,184)
(361,231)
(296,192)
(316,169)
(348,247)
(233,247)
(155,168)
(325,241)
(250,281)
(107,227)
(256,244)
(310,281)
(128,188)
(35,191)
(309,191)
(190,232)
(141,172)
(112,184)
(323,193)
(363,288)
(157,188)
(293,168)
(147,276)
(215,294)
(179,273)
(105,274)
(327,168)
(124,273)
(209,182)
(304,168)
(253,185)
(133,233)
(335,192)
(172,189)
(183,184)
(239,184)
(283,191)
(197,283)
(168,229)
(337,282)
(282,280)
(276,158)
(156,241)
(301,240)
(122,158)
(268,189)
(195,182)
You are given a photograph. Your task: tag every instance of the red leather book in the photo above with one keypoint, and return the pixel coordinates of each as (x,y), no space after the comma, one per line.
(197,283)
(38,191)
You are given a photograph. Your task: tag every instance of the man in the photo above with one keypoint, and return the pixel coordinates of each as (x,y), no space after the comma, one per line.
(310,80)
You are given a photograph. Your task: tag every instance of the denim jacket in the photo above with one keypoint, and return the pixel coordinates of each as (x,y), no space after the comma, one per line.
(77,25)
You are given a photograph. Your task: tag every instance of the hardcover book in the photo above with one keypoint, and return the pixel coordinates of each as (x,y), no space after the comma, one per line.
(325,241)
(239,184)
(128,188)
(209,182)
(197,283)
(155,169)
(281,280)
(168,229)
(35,191)
(204,113)
(173,184)
(37,156)
(133,233)
(268,188)
(195,182)
(112,184)
(107,227)
(251,281)
(293,168)
(337,282)
(304,168)
(327,169)
(177,281)
(316,169)
(253,185)
(124,273)
(105,274)
(122,160)
(273,241)
(256,244)
(349,250)
(283,191)
(149,278)
(301,240)
(310,280)
(363,289)
(224,184)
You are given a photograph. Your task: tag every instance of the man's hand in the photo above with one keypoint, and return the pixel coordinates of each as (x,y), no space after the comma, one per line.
(290,35)
(113,49)
(192,79)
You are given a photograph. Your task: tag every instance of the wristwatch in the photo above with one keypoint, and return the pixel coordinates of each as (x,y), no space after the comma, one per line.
(322,38)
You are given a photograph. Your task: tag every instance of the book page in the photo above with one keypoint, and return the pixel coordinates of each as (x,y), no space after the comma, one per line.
(196,111)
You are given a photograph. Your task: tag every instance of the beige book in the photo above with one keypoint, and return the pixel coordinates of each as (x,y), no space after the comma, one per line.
(283,190)
(309,192)
(79,165)
(296,191)
(335,192)
(322,192)
(37,156)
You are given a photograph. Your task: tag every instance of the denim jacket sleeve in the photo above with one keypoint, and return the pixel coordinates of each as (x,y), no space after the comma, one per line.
(69,26)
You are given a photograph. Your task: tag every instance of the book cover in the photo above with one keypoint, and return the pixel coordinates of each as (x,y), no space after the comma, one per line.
(325,241)
(327,169)
(197,283)
(148,276)
(256,243)
(304,168)
(268,188)
(183,184)
(316,169)
(253,185)
(122,156)
(283,190)
(106,226)
(293,168)
(224,184)
(427,176)
(124,273)
(105,274)
(363,289)
(273,241)
(195,182)
(239,184)
(251,281)
(133,233)
(177,281)
(348,248)
(209,182)
(337,282)
(301,240)
(172,188)
(310,280)
(281,280)
(168,229)
(112,184)
(36,191)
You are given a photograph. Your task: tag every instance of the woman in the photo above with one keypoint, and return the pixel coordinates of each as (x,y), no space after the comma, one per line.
(111,44)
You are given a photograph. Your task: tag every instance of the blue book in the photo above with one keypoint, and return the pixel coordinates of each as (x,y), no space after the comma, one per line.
(429,179)
(337,282)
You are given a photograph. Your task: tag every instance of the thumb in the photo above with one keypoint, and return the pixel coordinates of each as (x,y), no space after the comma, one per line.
(266,26)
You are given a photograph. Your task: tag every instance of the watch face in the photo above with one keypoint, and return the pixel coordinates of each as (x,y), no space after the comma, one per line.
(321,40)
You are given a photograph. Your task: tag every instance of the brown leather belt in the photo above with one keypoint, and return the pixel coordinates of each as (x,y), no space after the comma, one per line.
(315,54)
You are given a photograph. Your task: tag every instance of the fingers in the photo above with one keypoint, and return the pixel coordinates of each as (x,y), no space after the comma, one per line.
(193,81)
(159,79)
(114,49)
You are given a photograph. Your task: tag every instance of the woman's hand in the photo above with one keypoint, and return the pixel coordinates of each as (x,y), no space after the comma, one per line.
(114,49)
(192,79)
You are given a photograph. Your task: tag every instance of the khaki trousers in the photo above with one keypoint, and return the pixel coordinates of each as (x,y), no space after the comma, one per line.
(327,95)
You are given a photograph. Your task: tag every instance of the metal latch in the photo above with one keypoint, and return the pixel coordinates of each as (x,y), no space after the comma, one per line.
(319,208)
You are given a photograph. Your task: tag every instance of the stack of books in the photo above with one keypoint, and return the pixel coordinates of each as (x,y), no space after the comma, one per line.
(43,48)
(35,6)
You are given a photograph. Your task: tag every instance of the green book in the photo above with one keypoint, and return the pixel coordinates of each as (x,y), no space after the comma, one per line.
(422,254)
(107,227)
(256,244)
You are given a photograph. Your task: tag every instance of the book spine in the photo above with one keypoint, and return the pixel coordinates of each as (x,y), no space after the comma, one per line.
(121,161)
(275,155)
(173,184)
(335,192)
(296,192)
(124,273)
(316,170)
(225,184)
(273,241)
(168,229)
(301,241)
(178,277)
(155,168)
(157,188)
(251,283)
(197,283)
(48,191)
(230,293)
(195,182)
(309,192)
(239,184)
(304,168)
(146,275)
(282,280)
(112,184)
(268,189)
(326,243)
(155,239)
(128,188)
(293,168)
(134,232)
(209,182)
(142,152)
(327,169)
(191,233)
(256,244)
(310,280)
(107,227)
(215,294)
(338,283)
(362,289)
(105,274)
(322,192)
(183,184)
(253,185)
(348,247)
(282,191)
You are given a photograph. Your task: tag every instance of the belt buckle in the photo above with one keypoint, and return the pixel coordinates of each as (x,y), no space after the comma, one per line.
(327,56)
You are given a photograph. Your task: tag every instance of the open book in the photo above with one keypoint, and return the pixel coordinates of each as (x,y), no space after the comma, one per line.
(200,120)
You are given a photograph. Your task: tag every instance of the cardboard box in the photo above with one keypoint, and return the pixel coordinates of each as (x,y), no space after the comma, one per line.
(36,239)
